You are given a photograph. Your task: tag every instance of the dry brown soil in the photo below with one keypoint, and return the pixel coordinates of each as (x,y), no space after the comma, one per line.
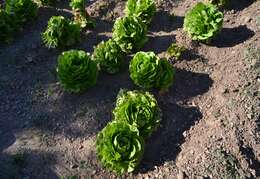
(210,126)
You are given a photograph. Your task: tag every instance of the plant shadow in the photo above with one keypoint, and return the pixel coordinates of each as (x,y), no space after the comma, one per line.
(26,163)
(163,21)
(159,43)
(165,144)
(238,6)
(230,37)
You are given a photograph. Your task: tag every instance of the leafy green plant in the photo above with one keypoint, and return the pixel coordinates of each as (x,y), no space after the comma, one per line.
(139,109)
(148,71)
(145,9)
(175,51)
(60,32)
(21,10)
(80,14)
(203,22)
(119,147)
(219,3)
(130,33)
(6,27)
(76,71)
(48,2)
(108,56)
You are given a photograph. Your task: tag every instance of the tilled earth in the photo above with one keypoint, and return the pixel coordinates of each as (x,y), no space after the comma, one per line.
(210,126)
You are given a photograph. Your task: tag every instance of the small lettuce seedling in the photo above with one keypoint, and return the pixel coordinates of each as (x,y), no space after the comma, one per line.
(139,109)
(80,14)
(145,9)
(120,147)
(76,71)
(108,56)
(61,32)
(130,33)
(21,10)
(219,3)
(149,71)
(175,51)
(48,2)
(203,22)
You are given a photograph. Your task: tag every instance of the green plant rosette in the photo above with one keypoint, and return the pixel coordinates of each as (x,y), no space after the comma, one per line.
(219,3)
(76,71)
(7,27)
(48,2)
(175,51)
(148,71)
(145,9)
(139,109)
(109,56)
(61,32)
(130,33)
(203,22)
(119,147)
(21,10)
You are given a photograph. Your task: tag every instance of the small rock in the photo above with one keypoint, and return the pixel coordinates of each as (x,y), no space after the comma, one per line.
(74,166)
(250,116)
(180,175)
(184,134)
(225,90)
(247,19)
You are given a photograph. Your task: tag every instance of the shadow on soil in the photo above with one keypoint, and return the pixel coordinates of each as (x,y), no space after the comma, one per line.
(35,164)
(239,5)
(163,21)
(159,43)
(252,159)
(165,144)
(43,105)
(230,37)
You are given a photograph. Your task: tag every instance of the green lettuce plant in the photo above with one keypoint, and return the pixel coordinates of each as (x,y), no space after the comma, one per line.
(139,109)
(219,3)
(76,71)
(60,32)
(147,71)
(7,27)
(80,14)
(108,56)
(21,10)
(175,51)
(145,9)
(119,147)
(203,22)
(48,2)
(130,33)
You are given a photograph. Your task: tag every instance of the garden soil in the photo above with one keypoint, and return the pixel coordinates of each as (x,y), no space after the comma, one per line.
(210,125)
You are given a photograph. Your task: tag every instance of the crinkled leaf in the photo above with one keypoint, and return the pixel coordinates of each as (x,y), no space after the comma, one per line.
(76,71)
(60,32)
(119,147)
(21,10)
(108,56)
(148,71)
(130,33)
(203,22)
(139,109)
(145,9)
